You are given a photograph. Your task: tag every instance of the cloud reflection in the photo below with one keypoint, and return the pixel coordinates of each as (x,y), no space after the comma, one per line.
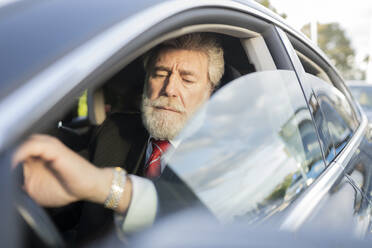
(240,156)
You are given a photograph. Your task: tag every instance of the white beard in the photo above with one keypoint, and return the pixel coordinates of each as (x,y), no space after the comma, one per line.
(163,124)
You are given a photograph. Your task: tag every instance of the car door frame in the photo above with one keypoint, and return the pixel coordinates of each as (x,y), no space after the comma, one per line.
(110,60)
(336,170)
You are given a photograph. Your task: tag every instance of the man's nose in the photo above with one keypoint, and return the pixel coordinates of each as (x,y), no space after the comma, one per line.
(171,85)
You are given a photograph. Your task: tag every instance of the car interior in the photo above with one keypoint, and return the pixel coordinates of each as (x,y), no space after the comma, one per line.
(244,52)
(253,42)
(312,68)
(123,93)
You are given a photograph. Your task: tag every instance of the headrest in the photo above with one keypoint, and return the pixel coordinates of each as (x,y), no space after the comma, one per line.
(230,74)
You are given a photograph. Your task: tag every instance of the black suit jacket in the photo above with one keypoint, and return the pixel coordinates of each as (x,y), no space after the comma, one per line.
(122,141)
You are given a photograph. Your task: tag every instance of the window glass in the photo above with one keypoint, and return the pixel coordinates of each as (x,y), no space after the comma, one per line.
(312,68)
(336,114)
(315,65)
(363,94)
(252,149)
(325,139)
(329,102)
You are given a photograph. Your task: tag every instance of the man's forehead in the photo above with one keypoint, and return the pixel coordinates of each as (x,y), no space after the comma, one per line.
(191,59)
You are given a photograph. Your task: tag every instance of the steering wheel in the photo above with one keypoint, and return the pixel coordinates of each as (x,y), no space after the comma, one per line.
(33,214)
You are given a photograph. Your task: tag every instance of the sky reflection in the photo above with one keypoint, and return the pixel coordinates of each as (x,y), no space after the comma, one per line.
(237,156)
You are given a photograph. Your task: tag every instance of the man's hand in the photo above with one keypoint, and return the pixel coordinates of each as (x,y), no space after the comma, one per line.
(56,176)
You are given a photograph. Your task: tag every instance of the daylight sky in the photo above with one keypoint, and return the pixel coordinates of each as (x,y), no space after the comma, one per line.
(354,16)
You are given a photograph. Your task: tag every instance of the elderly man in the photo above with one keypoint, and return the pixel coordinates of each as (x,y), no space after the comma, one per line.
(180,76)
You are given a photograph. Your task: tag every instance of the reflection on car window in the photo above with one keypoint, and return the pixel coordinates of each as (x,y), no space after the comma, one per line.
(252,149)
(334,117)
(363,96)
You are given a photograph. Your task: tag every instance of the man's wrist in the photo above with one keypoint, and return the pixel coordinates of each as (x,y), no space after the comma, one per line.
(117,188)
(101,180)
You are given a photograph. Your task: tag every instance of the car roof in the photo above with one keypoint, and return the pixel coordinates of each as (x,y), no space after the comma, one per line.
(35,39)
(40,32)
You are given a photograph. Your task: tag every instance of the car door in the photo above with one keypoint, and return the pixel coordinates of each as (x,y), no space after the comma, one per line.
(320,138)
(253,151)
(342,129)
(281,143)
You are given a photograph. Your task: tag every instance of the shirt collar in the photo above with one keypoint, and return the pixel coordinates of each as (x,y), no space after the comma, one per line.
(175,142)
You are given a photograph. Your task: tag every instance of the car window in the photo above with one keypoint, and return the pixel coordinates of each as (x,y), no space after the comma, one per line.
(312,68)
(315,72)
(252,150)
(335,117)
(337,113)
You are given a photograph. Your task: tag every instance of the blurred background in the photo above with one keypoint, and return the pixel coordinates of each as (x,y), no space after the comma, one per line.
(342,29)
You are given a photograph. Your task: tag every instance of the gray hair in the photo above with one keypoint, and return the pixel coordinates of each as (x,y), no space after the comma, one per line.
(203,42)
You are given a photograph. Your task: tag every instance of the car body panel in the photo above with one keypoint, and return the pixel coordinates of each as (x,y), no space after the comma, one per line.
(339,156)
(80,44)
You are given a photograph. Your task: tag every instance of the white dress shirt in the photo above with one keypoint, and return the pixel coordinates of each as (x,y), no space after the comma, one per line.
(143,207)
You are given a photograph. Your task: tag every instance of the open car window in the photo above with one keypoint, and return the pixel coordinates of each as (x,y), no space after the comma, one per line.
(252,149)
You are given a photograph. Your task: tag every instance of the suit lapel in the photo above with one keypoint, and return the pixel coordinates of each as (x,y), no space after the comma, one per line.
(136,156)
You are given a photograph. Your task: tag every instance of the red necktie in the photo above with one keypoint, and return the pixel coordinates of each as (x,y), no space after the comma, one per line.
(153,166)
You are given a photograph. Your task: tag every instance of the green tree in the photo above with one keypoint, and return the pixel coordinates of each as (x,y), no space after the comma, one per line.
(268,5)
(336,45)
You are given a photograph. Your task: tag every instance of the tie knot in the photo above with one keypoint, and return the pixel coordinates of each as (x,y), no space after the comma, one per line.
(153,167)
(161,145)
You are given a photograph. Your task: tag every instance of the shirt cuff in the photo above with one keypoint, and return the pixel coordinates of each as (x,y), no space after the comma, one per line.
(142,208)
